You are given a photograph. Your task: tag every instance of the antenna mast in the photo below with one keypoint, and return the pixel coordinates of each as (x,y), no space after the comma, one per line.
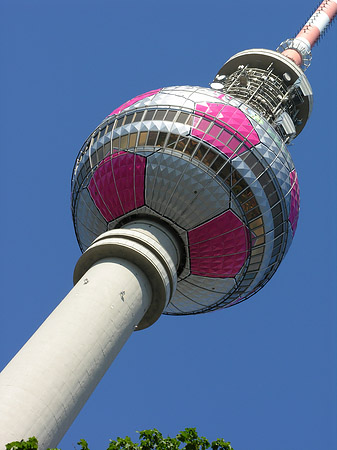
(273,82)
(299,48)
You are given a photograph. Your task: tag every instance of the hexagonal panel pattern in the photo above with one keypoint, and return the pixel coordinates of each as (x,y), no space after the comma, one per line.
(220,247)
(209,166)
(117,185)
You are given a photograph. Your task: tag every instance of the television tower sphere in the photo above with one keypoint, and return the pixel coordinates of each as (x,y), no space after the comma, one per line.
(208,165)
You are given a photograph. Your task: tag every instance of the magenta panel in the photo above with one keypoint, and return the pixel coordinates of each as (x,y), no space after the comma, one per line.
(230,152)
(232,116)
(220,247)
(133,100)
(117,186)
(295,200)
(215,130)
(225,136)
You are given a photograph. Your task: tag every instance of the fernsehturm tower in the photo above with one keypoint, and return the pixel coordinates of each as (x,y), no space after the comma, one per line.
(185,200)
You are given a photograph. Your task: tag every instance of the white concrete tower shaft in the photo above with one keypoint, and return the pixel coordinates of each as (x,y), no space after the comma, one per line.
(123,281)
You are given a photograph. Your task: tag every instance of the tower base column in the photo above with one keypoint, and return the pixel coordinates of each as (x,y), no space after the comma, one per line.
(47,383)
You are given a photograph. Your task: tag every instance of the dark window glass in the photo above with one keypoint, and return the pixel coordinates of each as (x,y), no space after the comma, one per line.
(128,119)
(249,204)
(257,251)
(86,166)
(235,176)
(190,119)
(107,148)
(276,251)
(250,276)
(258,169)
(142,138)
(272,195)
(149,114)
(190,147)
(278,241)
(151,140)
(245,282)
(198,154)
(124,141)
(259,240)
(94,159)
(119,122)
(278,230)
(201,151)
(278,220)
(276,209)
(102,133)
(273,198)
(225,173)
(160,114)
(252,214)
(239,186)
(217,163)
(133,140)
(264,179)
(250,159)
(246,195)
(138,116)
(256,223)
(258,231)
(172,140)
(254,266)
(182,117)
(110,127)
(181,144)
(171,115)
(99,154)
(209,157)
(161,139)
(115,143)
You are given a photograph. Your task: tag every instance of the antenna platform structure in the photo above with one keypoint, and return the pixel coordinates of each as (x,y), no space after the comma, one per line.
(185,200)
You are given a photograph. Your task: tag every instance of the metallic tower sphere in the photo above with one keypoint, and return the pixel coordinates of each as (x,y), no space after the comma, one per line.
(211,168)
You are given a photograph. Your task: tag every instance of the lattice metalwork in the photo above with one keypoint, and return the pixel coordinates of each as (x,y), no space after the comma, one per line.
(261,89)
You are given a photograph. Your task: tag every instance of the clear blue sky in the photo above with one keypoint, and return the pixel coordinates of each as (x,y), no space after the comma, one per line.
(261,374)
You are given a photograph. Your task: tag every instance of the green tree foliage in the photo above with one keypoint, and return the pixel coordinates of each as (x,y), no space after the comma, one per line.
(148,440)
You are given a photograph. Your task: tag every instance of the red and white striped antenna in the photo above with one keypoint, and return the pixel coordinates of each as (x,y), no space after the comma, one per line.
(299,48)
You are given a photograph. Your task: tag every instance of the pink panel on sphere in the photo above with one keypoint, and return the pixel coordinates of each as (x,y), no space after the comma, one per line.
(232,116)
(133,100)
(233,144)
(225,136)
(218,144)
(295,200)
(215,130)
(220,247)
(117,185)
